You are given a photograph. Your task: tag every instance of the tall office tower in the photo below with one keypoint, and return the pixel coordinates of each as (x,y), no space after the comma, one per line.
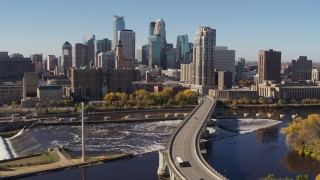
(121,61)
(224,60)
(36,58)
(89,42)
(238,71)
(243,63)
(52,62)
(301,69)
(157,56)
(170,59)
(118,24)
(151,28)
(203,54)
(155,51)
(100,46)
(80,56)
(66,55)
(182,49)
(269,66)
(142,54)
(128,41)
(160,29)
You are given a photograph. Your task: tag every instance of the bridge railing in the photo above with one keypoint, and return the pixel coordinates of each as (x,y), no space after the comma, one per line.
(204,125)
(172,137)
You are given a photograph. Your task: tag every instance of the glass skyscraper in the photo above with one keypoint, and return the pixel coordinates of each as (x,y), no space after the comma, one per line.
(118,24)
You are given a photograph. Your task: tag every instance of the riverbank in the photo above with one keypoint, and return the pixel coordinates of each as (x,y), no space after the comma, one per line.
(27,166)
(274,106)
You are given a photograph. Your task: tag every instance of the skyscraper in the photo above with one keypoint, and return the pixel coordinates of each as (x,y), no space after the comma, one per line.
(128,41)
(118,24)
(182,49)
(103,45)
(79,55)
(121,61)
(52,62)
(66,55)
(301,68)
(160,29)
(154,50)
(203,54)
(157,44)
(89,42)
(142,54)
(224,60)
(269,66)
(151,28)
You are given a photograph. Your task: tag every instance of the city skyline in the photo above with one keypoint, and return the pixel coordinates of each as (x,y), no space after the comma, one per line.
(247,26)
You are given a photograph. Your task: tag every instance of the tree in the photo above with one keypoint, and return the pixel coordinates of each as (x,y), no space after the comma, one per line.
(263,100)
(281,102)
(302,135)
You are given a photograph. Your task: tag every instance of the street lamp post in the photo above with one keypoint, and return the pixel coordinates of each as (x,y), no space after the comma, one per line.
(82,132)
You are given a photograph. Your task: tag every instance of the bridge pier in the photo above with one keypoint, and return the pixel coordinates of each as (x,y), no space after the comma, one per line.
(162,164)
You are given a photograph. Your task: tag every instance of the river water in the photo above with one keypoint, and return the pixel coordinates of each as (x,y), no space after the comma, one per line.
(248,156)
(257,154)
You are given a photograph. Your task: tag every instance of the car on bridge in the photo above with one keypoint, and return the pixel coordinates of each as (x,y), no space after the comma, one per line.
(180,162)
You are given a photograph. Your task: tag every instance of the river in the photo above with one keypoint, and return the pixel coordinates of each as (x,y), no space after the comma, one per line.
(257,154)
(249,156)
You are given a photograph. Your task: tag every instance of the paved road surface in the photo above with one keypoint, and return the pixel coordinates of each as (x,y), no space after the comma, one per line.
(184,145)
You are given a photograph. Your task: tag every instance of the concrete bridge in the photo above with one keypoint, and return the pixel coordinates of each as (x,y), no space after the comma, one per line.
(185,143)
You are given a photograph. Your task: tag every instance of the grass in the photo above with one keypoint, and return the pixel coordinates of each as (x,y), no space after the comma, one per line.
(45,158)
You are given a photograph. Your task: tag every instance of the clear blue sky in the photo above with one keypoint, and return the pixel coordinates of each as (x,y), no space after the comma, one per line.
(42,26)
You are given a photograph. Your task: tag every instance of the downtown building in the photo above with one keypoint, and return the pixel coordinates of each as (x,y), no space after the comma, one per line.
(66,61)
(269,66)
(203,62)
(142,55)
(224,60)
(13,69)
(128,42)
(157,44)
(301,69)
(101,46)
(79,55)
(86,84)
(118,24)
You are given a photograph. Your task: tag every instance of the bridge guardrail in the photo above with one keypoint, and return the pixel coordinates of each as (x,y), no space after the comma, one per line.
(174,134)
(199,151)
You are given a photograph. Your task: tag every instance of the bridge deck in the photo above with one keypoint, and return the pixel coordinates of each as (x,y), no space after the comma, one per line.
(184,144)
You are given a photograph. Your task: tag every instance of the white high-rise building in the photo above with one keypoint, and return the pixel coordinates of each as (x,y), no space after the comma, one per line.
(203,53)
(128,41)
(118,24)
(224,60)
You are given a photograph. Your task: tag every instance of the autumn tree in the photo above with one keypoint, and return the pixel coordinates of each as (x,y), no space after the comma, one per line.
(303,135)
